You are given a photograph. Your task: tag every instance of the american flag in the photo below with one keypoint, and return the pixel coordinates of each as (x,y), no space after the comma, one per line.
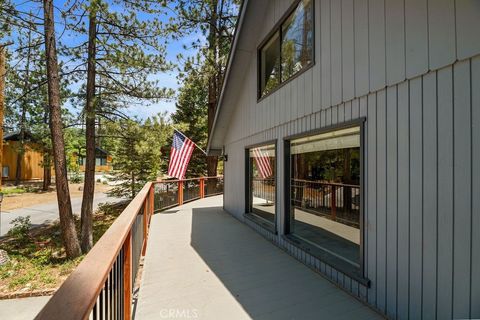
(263,162)
(182,149)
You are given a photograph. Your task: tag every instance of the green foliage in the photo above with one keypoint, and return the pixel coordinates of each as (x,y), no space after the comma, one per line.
(129,51)
(137,149)
(201,76)
(14,190)
(20,229)
(76,177)
(191,117)
(74,148)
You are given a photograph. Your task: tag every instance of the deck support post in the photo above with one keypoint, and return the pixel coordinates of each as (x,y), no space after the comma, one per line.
(127,277)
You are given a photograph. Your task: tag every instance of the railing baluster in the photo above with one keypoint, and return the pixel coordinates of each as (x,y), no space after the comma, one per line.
(127,276)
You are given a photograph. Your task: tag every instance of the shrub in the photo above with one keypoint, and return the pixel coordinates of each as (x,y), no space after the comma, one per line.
(76,178)
(20,229)
(43,257)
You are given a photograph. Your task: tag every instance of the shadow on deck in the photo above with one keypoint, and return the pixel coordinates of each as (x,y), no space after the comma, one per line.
(202,263)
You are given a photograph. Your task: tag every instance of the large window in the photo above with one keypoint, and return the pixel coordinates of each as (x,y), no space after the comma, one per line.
(325,193)
(262,184)
(288,50)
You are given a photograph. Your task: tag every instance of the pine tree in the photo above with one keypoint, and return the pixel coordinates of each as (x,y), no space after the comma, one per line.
(120,52)
(69,235)
(136,150)
(216,20)
(190,115)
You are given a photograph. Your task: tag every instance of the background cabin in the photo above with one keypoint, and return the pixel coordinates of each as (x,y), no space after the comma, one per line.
(31,164)
(103,161)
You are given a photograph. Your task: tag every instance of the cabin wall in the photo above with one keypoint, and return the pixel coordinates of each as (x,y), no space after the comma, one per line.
(412,69)
(31,164)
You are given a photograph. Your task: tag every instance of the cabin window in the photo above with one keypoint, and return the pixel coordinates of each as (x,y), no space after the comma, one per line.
(5,172)
(101,161)
(325,193)
(289,50)
(262,184)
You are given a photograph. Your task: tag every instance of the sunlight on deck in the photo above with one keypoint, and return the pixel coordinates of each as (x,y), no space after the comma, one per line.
(202,263)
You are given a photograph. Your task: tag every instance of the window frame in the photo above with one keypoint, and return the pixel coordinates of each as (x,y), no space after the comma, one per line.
(272,227)
(356,273)
(278,28)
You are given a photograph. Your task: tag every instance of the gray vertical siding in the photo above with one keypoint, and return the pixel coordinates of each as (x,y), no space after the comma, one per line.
(412,69)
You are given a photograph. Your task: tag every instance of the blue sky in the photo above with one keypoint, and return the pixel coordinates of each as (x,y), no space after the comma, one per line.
(168,80)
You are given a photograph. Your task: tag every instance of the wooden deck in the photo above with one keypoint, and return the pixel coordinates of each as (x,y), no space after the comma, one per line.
(202,263)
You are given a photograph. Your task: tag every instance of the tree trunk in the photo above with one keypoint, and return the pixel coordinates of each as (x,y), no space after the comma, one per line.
(89,182)
(133,185)
(212,161)
(21,151)
(23,117)
(2,106)
(47,172)
(67,223)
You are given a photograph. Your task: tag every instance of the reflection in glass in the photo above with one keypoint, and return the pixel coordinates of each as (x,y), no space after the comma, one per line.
(270,64)
(289,50)
(325,192)
(262,184)
(297,40)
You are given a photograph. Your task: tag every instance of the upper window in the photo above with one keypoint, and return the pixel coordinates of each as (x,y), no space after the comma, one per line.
(288,50)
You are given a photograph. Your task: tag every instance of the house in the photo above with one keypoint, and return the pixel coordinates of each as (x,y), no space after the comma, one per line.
(31,164)
(351,134)
(103,161)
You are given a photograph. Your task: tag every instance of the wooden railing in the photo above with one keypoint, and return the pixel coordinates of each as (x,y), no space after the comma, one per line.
(171,193)
(101,287)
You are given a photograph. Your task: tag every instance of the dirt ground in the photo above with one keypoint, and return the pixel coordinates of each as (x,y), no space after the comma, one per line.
(22,200)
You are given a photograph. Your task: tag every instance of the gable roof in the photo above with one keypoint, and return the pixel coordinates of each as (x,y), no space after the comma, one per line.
(243,48)
(15,136)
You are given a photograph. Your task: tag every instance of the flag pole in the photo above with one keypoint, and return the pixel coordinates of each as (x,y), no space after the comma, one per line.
(189,139)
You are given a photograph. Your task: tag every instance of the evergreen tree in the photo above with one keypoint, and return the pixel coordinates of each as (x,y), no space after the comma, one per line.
(69,235)
(136,150)
(121,50)
(191,115)
(216,20)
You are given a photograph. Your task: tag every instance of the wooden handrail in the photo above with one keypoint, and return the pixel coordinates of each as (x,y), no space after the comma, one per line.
(99,272)
(69,302)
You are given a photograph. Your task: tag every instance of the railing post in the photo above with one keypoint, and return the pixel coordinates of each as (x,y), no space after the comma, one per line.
(202,188)
(127,277)
(180,193)
(334,202)
(146,209)
(152,202)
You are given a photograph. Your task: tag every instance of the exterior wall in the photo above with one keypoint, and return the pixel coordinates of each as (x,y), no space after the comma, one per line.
(412,69)
(106,168)
(31,165)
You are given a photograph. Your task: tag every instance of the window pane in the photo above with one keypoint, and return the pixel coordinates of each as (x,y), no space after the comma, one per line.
(297,40)
(262,185)
(270,65)
(325,192)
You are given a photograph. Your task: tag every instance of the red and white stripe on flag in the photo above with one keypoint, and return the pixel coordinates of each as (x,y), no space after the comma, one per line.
(180,154)
(263,162)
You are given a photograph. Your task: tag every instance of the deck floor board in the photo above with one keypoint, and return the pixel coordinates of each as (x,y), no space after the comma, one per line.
(202,263)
